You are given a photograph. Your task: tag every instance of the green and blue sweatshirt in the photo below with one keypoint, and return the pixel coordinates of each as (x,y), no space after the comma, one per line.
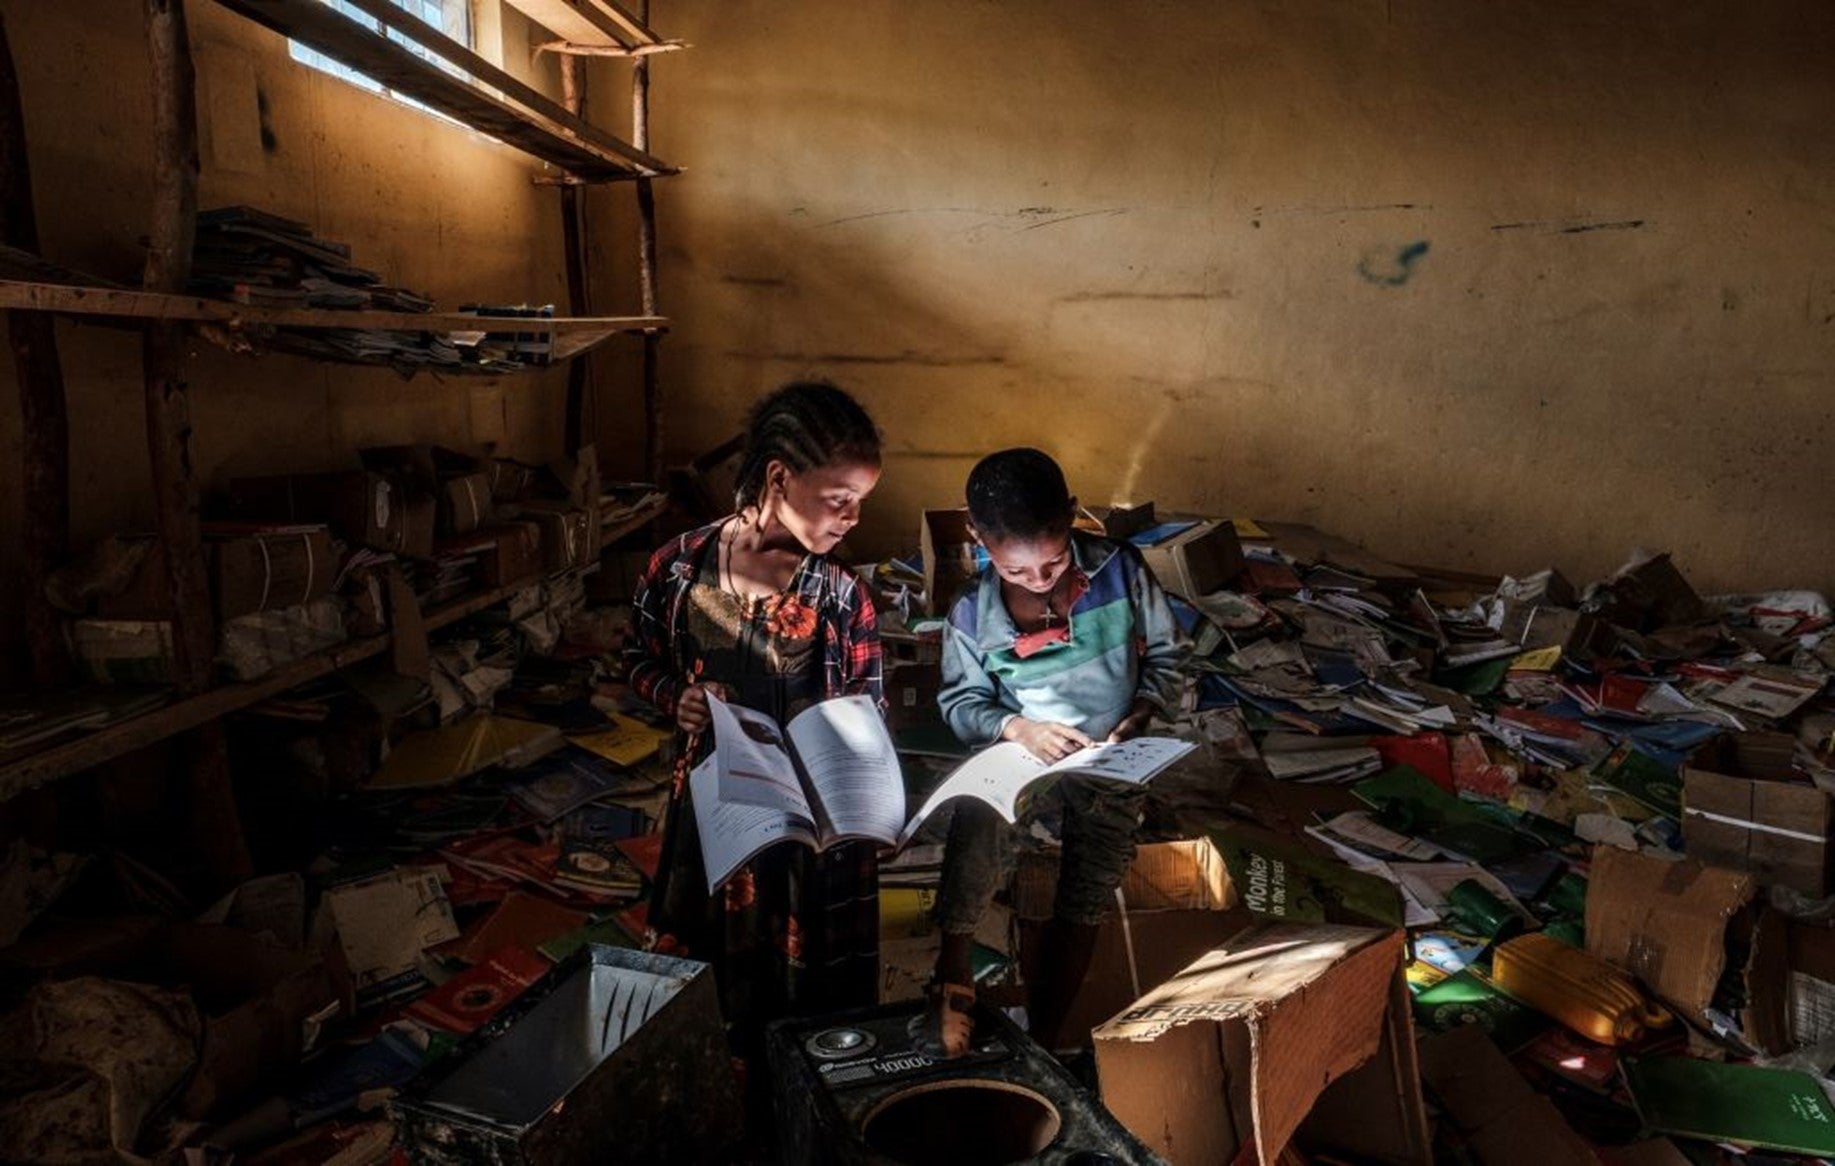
(1124,643)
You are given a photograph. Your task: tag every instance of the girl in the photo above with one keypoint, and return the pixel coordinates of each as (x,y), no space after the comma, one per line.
(752,610)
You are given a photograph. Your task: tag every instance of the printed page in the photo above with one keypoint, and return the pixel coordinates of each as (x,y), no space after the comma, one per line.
(754,761)
(997,775)
(732,832)
(852,768)
(1132,761)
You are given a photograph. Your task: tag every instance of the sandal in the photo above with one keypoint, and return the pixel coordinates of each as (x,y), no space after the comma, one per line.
(946,1029)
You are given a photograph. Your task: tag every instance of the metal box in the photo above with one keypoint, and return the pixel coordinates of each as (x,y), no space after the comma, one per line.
(614,1056)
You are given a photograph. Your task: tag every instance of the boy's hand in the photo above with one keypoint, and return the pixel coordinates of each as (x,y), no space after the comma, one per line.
(691,713)
(1044,740)
(1134,724)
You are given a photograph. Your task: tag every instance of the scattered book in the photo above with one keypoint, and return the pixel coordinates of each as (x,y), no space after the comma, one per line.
(1774,1109)
(475,995)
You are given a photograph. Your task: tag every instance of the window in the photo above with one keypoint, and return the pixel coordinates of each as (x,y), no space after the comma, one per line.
(452,17)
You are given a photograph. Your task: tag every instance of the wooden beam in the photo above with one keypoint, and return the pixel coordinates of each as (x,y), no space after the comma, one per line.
(168,266)
(599,23)
(573,49)
(148,305)
(646,270)
(44,420)
(573,251)
(215,823)
(536,126)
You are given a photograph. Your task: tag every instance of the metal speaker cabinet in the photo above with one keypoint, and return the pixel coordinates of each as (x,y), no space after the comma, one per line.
(613,1056)
(853,1089)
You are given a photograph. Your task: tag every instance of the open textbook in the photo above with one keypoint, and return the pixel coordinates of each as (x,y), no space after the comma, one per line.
(832,775)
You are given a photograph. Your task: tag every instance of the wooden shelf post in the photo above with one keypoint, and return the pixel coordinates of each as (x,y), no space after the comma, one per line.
(44,419)
(216,825)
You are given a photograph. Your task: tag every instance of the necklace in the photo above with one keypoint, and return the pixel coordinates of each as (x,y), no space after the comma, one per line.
(1049,617)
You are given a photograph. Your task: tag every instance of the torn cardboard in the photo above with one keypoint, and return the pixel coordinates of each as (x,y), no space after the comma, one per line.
(1264,1038)
(1671,925)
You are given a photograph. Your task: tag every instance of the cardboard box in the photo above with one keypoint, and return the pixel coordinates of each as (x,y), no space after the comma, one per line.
(1671,925)
(117,651)
(911,696)
(1745,807)
(1176,902)
(514,554)
(1281,1034)
(948,550)
(1198,561)
(264,572)
(1121,521)
(360,507)
(465,503)
(1811,949)
(1497,1119)
(567,534)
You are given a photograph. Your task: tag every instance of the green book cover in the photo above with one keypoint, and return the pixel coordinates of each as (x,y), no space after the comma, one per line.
(1775,1109)
(1468,998)
(1407,800)
(1281,879)
(1637,774)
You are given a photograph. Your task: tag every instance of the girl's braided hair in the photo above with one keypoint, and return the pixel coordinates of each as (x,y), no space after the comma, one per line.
(805,424)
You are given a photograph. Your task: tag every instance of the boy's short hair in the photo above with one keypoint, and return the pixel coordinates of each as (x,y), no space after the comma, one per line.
(1019,493)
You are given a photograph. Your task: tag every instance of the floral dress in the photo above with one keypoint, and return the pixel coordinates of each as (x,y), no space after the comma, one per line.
(793,931)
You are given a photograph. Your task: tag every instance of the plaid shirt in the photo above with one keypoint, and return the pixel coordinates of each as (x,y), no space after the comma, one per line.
(848,623)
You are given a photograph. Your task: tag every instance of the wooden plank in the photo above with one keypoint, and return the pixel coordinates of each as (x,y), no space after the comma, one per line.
(89,751)
(168,266)
(558,118)
(44,419)
(146,305)
(573,252)
(534,129)
(592,23)
(646,271)
(213,820)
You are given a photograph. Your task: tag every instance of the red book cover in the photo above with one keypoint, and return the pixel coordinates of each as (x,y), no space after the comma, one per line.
(475,995)
(521,920)
(645,852)
(1426,752)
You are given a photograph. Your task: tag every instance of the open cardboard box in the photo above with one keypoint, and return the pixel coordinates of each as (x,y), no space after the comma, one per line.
(1198,561)
(948,551)
(1175,903)
(1283,1033)
(1746,807)
(1673,924)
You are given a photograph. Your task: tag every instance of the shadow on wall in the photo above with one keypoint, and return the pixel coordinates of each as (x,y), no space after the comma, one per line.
(1446,281)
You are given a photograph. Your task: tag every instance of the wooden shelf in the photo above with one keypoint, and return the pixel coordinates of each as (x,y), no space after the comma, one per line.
(493,103)
(78,754)
(572,335)
(85,752)
(72,300)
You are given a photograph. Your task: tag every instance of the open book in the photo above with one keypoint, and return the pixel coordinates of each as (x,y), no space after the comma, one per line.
(832,775)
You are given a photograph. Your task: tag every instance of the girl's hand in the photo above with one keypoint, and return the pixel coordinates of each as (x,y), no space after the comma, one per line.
(1134,724)
(1044,740)
(691,713)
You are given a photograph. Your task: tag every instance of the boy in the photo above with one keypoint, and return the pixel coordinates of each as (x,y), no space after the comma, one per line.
(1065,639)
